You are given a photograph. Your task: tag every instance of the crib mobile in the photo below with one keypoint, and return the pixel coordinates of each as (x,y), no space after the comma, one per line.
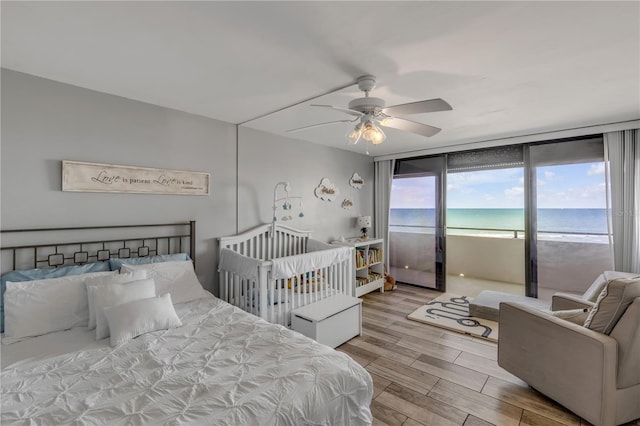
(286,206)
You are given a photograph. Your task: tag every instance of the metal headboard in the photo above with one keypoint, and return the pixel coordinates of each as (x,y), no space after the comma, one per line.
(177,238)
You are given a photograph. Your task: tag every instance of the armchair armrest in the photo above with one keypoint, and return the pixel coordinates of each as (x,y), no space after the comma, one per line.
(567,362)
(562,301)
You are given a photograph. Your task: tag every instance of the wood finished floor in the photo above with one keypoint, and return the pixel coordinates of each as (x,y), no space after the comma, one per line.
(423,375)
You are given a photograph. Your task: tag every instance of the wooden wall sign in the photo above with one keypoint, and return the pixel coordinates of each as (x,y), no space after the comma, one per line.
(79,176)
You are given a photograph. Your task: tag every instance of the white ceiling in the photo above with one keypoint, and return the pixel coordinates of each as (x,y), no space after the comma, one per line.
(507,68)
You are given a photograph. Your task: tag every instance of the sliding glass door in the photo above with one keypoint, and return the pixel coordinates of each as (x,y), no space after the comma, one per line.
(416,224)
(570,244)
(485,230)
(485,221)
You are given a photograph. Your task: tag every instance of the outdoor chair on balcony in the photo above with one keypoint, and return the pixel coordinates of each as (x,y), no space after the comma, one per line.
(591,369)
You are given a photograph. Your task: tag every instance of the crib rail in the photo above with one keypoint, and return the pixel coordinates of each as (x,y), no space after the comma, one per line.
(305,288)
(274,299)
(268,242)
(246,278)
(245,292)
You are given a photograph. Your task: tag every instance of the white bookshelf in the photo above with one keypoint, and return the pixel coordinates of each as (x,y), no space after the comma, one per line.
(369,268)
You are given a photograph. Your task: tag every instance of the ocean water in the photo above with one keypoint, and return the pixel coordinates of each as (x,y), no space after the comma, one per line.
(564,224)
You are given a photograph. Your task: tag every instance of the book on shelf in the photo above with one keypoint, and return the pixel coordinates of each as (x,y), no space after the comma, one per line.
(375,255)
(360,281)
(361,261)
(374,276)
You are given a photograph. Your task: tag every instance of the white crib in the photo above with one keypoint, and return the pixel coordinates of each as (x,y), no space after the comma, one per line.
(273,269)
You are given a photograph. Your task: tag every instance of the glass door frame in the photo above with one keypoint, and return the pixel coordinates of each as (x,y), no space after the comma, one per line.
(441,226)
(559,151)
(530,227)
(435,166)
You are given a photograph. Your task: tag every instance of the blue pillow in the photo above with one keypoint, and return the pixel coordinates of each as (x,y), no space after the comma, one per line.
(43,274)
(116,264)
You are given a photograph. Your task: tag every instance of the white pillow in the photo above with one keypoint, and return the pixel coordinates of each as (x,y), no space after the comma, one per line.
(116,294)
(34,308)
(94,282)
(130,320)
(177,278)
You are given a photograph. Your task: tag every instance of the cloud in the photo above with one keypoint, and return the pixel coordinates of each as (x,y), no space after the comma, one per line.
(585,196)
(593,191)
(596,169)
(549,175)
(514,192)
(413,193)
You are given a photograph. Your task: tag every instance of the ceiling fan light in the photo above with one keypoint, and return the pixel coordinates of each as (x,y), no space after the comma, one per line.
(368,131)
(378,137)
(373,133)
(354,135)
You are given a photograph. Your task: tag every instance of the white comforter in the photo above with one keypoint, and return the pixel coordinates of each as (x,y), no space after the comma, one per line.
(223,367)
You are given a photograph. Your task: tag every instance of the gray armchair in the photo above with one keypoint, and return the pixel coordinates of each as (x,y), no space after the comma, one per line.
(596,376)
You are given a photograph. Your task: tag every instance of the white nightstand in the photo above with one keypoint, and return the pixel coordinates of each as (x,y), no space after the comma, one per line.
(331,321)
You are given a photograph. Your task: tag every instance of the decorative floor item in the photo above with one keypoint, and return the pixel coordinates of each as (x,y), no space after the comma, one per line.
(451,312)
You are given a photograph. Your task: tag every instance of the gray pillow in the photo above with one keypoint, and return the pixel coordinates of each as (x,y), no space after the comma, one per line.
(614,299)
(576,316)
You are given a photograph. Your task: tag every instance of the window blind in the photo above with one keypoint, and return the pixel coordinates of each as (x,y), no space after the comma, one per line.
(589,150)
(492,158)
(422,166)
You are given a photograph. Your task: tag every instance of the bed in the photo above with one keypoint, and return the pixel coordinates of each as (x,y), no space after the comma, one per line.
(221,365)
(273,269)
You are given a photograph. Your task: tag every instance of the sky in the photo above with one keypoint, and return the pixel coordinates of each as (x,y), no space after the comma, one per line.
(561,186)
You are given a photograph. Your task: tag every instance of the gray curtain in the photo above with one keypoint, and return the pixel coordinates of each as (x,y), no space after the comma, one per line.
(383,177)
(622,151)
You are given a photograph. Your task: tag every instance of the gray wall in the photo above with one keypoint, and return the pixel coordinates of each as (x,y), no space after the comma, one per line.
(44,122)
(268,159)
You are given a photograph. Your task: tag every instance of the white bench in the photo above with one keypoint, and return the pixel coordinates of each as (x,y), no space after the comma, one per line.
(331,321)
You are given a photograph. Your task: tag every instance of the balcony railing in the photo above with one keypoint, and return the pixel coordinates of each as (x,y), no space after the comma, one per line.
(566,260)
(517,233)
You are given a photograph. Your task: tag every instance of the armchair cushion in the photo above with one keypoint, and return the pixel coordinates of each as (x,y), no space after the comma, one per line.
(613,301)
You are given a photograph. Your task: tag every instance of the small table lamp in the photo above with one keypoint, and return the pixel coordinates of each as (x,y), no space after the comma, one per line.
(364,222)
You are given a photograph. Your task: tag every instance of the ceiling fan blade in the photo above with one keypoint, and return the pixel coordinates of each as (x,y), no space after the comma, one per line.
(410,126)
(318,125)
(345,110)
(420,107)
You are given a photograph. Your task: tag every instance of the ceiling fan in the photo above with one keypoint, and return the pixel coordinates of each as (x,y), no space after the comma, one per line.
(371,113)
